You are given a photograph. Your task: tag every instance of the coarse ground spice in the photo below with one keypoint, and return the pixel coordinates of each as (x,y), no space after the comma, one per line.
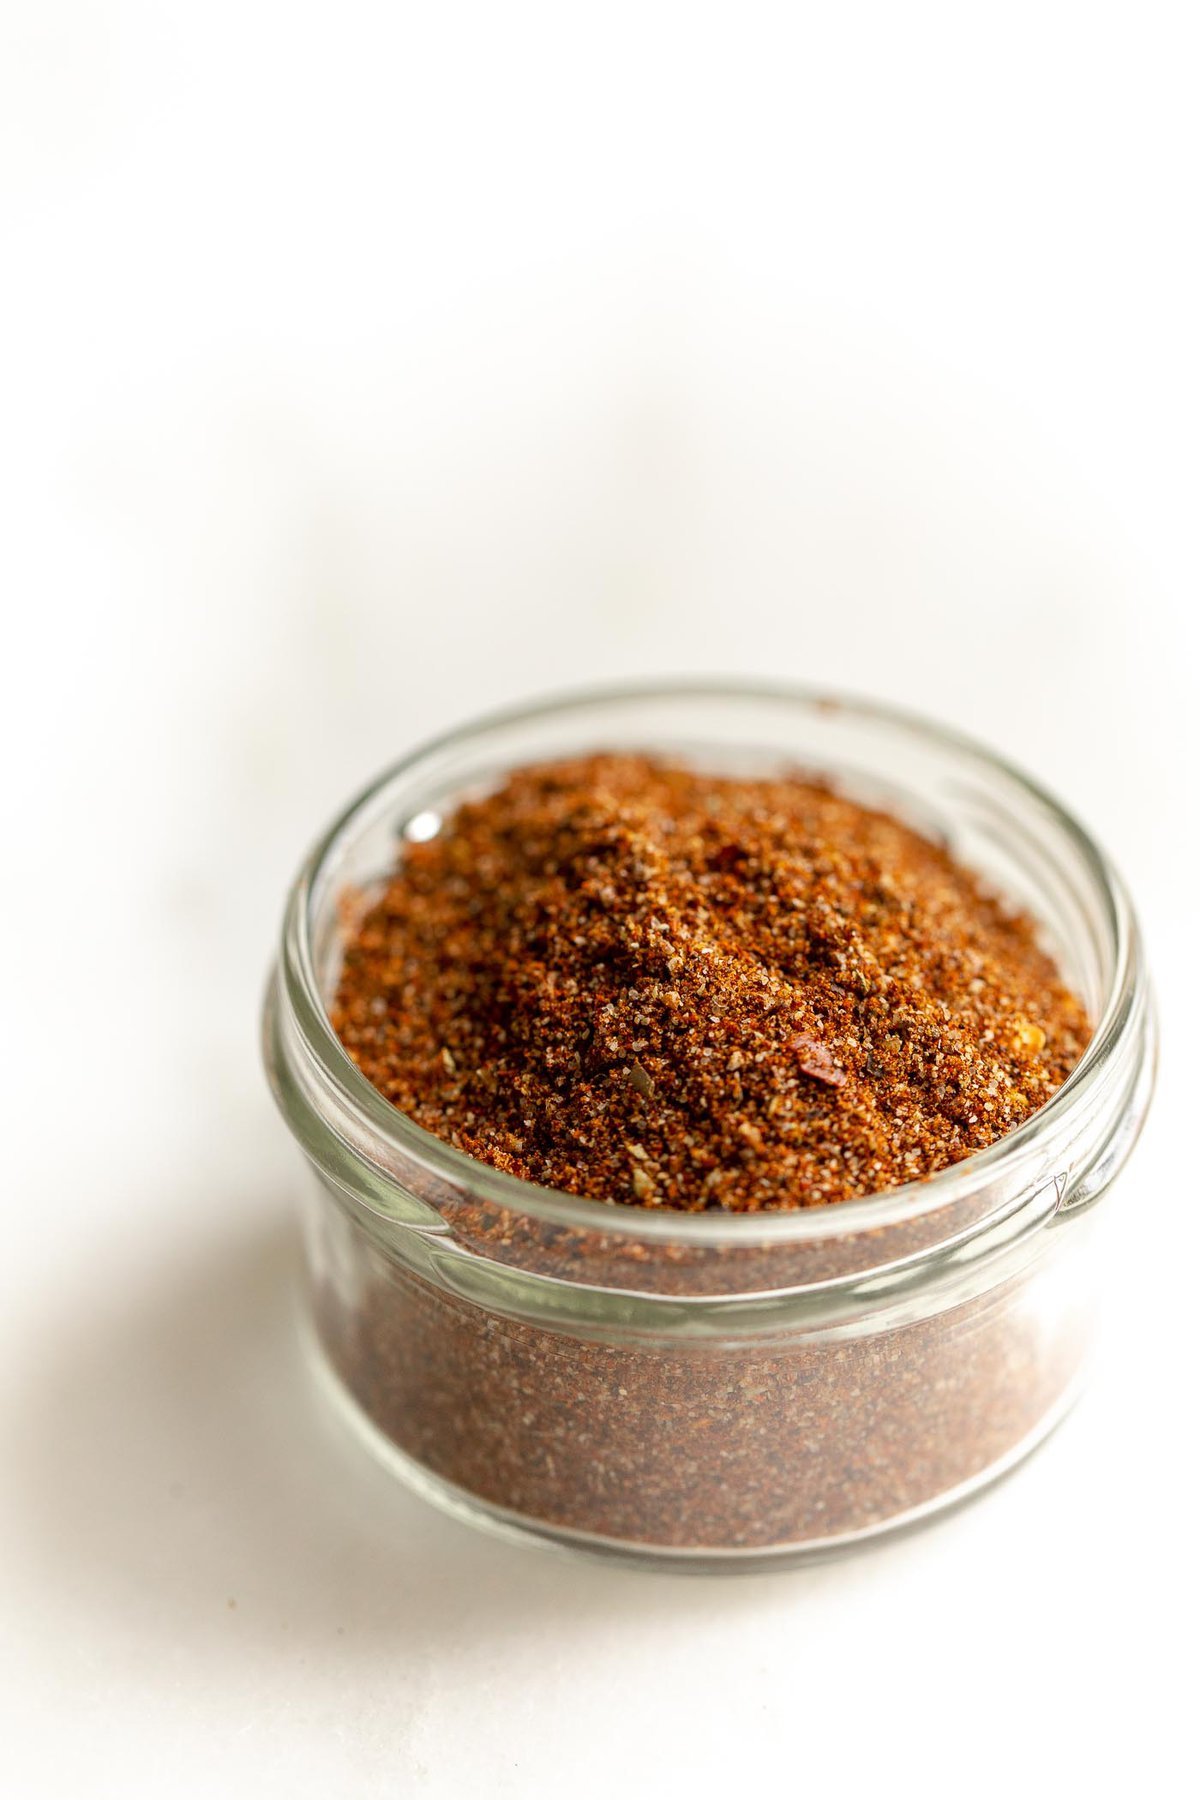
(626,980)
(665,990)
(705,1446)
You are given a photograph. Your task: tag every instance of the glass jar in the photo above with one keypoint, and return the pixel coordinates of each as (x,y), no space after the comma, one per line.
(710,1390)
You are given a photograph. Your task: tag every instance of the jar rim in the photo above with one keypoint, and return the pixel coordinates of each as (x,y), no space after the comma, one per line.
(327,1072)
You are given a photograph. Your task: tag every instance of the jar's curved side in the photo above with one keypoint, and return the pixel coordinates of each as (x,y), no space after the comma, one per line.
(515,1527)
(1093,1173)
(669,1441)
(348,1166)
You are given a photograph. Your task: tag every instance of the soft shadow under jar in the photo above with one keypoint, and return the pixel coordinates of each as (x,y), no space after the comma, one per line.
(706,1389)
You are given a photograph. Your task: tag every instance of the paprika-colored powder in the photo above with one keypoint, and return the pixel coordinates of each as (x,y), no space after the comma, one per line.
(630,981)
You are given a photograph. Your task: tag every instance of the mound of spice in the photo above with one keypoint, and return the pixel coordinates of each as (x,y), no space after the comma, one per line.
(626,980)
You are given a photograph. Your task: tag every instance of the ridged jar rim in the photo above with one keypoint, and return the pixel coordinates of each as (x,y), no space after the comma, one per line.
(387,1132)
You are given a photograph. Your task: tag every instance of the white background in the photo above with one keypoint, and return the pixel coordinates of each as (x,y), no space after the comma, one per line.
(364,366)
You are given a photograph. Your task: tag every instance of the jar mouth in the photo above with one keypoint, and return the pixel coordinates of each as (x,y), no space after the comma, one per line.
(346,1114)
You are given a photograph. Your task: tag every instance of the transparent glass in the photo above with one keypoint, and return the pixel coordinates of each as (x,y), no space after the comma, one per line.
(711,1390)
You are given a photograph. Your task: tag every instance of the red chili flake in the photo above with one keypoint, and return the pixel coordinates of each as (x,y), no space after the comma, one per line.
(816,1059)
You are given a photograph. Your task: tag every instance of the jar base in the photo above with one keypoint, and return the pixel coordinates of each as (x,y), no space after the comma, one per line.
(518,1528)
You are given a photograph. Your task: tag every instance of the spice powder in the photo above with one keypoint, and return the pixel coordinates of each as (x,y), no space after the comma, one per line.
(660,989)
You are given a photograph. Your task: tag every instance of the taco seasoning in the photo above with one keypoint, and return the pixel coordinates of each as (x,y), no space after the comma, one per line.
(675,1036)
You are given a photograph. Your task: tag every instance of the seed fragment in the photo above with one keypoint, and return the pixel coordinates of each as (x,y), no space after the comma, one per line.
(1026,1039)
(642,1185)
(639,1080)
